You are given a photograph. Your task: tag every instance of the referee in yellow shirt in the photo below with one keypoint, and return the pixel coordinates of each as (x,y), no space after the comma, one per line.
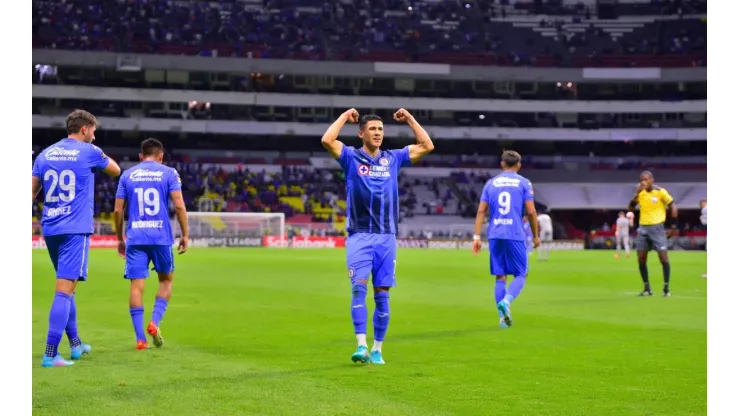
(654,201)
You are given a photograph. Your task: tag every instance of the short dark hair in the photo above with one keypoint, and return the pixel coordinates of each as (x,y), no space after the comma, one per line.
(511,158)
(151,147)
(78,119)
(368,117)
(646,173)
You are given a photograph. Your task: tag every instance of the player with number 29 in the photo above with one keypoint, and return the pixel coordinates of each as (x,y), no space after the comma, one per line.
(66,173)
(147,188)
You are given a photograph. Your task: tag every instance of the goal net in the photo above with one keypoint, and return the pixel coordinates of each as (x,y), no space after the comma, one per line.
(236,229)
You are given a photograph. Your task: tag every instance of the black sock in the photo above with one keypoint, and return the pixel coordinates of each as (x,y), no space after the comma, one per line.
(644,274)
(666,275)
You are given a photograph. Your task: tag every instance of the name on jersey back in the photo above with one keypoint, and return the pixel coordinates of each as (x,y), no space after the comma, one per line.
(147,224)
(55,212)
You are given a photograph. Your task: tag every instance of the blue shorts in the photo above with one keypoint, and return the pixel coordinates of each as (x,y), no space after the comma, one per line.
(138,258)
(69,253)
(508,257)
(372,254)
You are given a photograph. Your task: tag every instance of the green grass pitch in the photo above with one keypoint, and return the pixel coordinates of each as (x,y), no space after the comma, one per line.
(268,332)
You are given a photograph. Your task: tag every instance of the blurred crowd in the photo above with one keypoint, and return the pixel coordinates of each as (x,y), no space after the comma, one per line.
(351,29)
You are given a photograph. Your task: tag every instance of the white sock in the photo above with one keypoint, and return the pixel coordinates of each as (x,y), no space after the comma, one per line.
(361,340)
(377,345)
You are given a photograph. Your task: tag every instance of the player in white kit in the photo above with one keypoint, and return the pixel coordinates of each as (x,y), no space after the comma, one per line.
(623,233)
(703,219)
(545,224)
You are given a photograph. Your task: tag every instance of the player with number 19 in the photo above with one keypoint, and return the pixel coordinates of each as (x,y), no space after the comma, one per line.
(504,198)
(66,173)
(147,188)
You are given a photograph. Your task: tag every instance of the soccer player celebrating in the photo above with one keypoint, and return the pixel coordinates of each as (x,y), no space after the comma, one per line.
(651,234)
(372,216)
(623,234)
(65,171)
(147,188)
(545,223)
(504,198)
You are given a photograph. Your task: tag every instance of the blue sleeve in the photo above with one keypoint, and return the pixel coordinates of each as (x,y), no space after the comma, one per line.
(528,190)
(121,192)
(345,157)
(98,159)
(174,183)
(401,157)
(485,196)
(37,167)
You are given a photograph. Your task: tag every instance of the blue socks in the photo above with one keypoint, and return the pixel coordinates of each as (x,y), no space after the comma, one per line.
(137,318)
(382,315)
(515,288)
(499,291)
(71,329)
(160,307)
(58,317)
(359,309)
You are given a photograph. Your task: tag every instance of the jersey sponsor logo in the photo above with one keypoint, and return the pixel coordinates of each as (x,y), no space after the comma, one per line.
(61,154)
(140,175)
(654,199)
(503,181)
(379,172)
(384,161)
(363,170)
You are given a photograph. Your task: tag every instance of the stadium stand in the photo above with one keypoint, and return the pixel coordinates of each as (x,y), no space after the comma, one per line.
(241,91)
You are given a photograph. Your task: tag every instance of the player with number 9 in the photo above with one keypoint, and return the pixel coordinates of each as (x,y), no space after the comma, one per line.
(147,188)
(504,198)
(66,173)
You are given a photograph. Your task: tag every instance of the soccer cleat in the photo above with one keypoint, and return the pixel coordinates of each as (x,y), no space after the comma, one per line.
(666,293)
(376,357)
(361,355)
(79,351)
(502,324)
(142,345)
(57,361)
(645,293)
(156,334)
(503,307)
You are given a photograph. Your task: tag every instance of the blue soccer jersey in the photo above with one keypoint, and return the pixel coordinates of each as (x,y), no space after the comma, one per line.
(372,189)
(146,189)
(506,194)
(67,172)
